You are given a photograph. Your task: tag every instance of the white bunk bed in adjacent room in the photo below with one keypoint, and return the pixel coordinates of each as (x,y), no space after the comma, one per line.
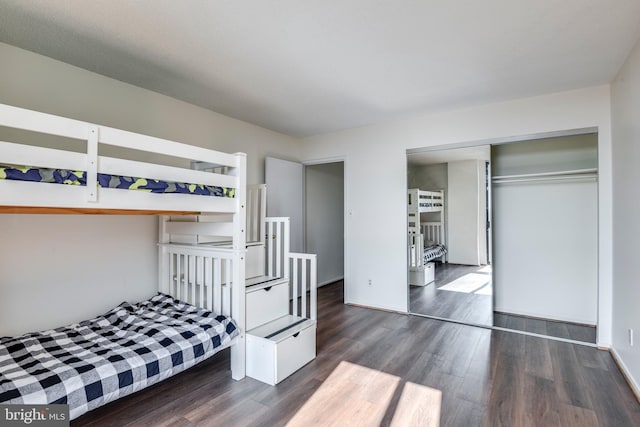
(201,287)
(426,239)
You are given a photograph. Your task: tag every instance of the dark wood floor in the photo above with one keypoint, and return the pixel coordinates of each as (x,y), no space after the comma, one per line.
(381,368)
(552,328)
(470,307)
(476,307)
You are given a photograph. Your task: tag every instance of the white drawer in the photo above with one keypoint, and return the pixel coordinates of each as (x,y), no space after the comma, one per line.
(272,361)
(422,276)
(429,272)
(266,304)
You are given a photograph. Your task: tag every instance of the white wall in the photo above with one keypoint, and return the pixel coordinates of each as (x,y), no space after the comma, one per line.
(545,250)
(83,245)
(325,219)
(466,216)
(375,182)
(625,106)
(58,269)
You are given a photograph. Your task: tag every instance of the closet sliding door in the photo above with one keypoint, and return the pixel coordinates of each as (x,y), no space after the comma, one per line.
(545,224)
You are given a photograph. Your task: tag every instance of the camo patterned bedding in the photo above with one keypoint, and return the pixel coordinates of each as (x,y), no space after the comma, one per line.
(69,177)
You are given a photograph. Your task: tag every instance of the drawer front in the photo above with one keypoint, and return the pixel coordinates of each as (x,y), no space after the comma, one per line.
(265,305)
(261,363)
(429,272)
(294,352)
(255,262)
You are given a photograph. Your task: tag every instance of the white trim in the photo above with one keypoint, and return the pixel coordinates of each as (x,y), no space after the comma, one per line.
(633,384)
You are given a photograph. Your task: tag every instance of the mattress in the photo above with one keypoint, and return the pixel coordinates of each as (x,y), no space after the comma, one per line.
(430,205)
(132,346)
(432,252)
(69,177)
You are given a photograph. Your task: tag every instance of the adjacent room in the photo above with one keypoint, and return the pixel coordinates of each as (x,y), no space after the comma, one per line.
(246,213)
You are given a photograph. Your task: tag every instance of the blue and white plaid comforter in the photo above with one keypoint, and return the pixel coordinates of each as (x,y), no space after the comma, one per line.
(96,361)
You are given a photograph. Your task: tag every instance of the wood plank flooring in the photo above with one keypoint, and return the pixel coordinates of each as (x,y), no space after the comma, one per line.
(476,307)
(552,328)
(380,368)
(472,306)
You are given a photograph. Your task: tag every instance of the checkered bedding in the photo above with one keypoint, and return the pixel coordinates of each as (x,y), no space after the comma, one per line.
(433,252)
(97,361)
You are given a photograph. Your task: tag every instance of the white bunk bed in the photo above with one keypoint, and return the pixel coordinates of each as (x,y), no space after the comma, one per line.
(210,278)
(426,239)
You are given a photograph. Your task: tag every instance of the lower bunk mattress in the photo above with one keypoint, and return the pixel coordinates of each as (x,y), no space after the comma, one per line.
(432,252)
(132,346)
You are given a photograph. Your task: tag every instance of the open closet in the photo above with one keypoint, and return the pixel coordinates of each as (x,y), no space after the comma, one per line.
(521,229)
(545,217)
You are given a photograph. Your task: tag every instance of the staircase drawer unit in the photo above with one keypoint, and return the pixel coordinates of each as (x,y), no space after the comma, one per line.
(273,354)
(422,276)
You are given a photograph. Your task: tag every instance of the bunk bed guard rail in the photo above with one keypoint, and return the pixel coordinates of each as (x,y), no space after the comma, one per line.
(301,269)
(91,196)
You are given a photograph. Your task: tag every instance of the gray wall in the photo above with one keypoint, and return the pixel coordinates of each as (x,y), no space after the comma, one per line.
(325,219)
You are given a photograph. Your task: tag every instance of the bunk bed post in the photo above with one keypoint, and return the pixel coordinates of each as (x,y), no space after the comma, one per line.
(238,351)
(92,163)
(164,277)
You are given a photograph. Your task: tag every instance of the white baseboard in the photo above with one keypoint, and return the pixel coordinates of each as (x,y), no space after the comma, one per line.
(627,374)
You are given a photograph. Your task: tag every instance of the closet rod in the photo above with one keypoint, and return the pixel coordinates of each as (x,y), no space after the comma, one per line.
(578,177)
(544,174)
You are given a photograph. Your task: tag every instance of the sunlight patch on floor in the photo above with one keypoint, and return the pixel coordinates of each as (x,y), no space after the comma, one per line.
(485,290)
(470,283)
(485,269)
(355,395)
(418,406)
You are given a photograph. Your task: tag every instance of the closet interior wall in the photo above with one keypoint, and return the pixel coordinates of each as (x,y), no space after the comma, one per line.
(545,228)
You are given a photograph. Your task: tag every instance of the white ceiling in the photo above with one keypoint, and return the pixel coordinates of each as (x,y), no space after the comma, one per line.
(310,67)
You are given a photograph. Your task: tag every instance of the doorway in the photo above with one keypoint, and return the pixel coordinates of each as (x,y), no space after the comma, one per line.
(324,219)
(312,195)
